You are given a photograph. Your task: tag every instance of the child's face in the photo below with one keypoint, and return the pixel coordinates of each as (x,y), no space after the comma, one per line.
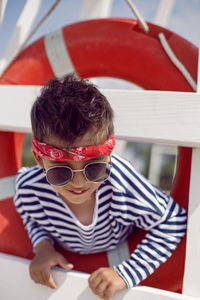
(79,190)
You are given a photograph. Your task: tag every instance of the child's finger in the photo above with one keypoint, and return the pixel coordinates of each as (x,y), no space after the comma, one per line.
(109,292)
(65,264)
(100,289)
(44,278)
(37,278)
(47,279)
(94,280)
(51,282)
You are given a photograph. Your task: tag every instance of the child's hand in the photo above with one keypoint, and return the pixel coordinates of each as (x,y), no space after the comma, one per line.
(45,258)
(104,282)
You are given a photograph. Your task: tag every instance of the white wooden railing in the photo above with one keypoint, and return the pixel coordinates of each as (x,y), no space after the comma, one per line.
(156,117)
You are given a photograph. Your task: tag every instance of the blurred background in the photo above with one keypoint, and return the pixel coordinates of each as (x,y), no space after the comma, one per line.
(156,162)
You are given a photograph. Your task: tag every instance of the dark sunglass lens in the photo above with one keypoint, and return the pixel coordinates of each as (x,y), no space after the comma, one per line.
(97,172)
(59,175)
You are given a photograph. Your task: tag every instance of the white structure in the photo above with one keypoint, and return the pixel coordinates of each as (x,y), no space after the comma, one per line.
(133,115)
(71,285)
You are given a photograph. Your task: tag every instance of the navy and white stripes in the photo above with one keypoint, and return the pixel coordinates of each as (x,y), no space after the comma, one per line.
(125,201)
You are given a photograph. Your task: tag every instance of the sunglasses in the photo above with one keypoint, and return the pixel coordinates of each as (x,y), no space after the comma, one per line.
(94,172)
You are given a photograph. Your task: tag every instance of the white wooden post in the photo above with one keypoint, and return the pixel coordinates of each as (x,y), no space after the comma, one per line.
(191,284)
(95,9)
(20,33)
(163,12)
(3,4)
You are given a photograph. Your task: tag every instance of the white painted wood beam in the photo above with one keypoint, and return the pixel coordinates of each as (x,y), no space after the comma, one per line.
(163,12)
(3,4)
(20,32)
(157,117)
(23,288)
(192,265)
(15,106)
(150,116)
(192,262)
(95,9)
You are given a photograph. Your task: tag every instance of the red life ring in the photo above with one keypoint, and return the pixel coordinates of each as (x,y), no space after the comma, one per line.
(105,47)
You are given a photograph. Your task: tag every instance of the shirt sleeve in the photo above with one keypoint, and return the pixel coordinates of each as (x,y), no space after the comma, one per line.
(136,201)
(164,234)
(36,233)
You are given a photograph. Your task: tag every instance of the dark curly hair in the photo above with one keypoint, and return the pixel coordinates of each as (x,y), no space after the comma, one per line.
(70,107)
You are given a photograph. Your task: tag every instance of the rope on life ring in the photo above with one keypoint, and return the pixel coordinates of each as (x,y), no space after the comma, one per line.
(105,47)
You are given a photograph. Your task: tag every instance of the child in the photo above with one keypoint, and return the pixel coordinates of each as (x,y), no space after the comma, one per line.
(85,198)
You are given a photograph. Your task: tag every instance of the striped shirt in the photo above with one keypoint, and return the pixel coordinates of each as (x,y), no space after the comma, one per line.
(123,202)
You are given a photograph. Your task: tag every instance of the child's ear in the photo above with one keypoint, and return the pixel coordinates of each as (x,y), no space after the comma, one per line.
(38,159)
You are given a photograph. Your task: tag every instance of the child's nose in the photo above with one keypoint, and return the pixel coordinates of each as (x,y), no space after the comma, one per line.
(78,179)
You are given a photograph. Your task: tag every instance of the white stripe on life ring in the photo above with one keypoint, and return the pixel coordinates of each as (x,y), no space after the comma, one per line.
(117,255)
(7,187)
(57,53)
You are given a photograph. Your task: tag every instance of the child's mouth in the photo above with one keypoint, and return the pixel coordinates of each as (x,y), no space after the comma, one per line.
(78,192)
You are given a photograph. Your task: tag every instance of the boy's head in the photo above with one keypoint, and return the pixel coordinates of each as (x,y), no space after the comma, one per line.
(71,112)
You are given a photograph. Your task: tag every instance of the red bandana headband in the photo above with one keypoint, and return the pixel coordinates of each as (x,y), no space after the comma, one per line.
(75,154)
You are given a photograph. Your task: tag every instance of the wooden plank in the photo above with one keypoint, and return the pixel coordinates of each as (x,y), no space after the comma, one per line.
(23,288)
(3,4)
(160,117)
(20,32)
(192,266)
(163,12)
(150,116)
(95,9)
(15,106)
